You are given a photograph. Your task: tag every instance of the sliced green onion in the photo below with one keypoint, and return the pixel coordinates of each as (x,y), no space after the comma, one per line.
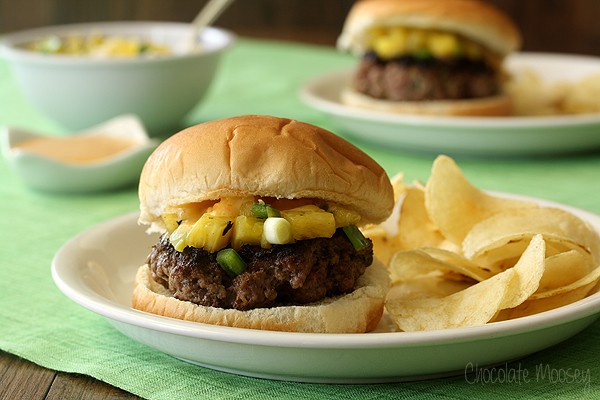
(277,230)
(231,262)
(263,210)
(423,54)
(358,240)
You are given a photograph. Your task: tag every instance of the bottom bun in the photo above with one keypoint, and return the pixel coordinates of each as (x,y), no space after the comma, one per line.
(498,106)
(356,312)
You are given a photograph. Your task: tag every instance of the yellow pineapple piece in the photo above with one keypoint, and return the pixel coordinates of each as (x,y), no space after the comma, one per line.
(178,237)
(171,221)
(230,206)
(310,222)
(343,216)
(391,44)
(210,232)
(246,230)
(442,44)
(416,40)
(190,212)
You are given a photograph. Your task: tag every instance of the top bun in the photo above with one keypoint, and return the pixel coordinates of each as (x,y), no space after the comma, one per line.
(261,156)
(472,19)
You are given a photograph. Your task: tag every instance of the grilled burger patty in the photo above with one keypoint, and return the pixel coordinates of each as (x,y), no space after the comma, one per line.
(409,78)
(299,273)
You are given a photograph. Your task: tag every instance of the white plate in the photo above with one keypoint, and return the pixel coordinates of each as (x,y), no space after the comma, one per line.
(97,267)
(497,136)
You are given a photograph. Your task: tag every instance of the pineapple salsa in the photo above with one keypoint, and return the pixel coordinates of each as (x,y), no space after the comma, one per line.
(396,41)
(230,223)
(263,222)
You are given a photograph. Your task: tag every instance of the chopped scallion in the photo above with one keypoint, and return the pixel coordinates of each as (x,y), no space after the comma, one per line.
(263,210)
(358,240)
(231,262)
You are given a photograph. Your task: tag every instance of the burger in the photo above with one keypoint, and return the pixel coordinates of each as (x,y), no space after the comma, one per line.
(258,219)
(441,57)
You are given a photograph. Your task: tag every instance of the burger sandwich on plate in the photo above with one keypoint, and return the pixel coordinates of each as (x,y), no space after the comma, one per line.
(432,57)
(259,221)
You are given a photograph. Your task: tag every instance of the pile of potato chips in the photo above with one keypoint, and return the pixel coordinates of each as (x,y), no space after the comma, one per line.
(532,96)
(459,256)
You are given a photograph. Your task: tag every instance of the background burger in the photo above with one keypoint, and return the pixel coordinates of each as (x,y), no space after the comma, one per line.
(439,57)
(259,220)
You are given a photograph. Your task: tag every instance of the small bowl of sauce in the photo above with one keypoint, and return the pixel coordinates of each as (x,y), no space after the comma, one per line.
(105,157)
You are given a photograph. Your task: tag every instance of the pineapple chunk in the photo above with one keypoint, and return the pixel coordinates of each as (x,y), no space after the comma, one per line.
(343,216)
(442,44)
(391,44)
(190,212)
(310,222)
(210,232)
(417,40)
(230,206)
(246,230)
(171,222)
(178,237)
(307,208)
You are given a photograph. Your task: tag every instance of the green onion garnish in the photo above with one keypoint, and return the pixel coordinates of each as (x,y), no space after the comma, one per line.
(263,210)
(358,240)
(231,262)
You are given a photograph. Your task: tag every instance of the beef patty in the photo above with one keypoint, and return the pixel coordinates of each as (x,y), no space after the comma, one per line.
(299,273)
(409,78)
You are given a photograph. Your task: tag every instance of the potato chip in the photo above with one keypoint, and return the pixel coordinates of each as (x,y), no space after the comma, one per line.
(383,236)
(398,185)
(477,304)
(531,95)
(408,227)
(535,306)
(459,256)
(414,226)
(426,287)
(590,278)
(454,205)
(508,226)
(411,264)
(499,258)
(563,269)
(384,245)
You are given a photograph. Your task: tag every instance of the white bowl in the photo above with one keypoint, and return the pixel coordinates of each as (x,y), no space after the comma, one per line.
(50,175)
(80,91)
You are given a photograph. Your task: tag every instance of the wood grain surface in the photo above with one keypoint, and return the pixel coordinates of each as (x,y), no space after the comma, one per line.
(21,379)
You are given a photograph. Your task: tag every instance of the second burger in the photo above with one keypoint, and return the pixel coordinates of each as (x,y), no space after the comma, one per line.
(434,57)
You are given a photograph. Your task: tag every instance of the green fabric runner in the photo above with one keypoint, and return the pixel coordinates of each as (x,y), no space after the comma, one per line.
(39,323)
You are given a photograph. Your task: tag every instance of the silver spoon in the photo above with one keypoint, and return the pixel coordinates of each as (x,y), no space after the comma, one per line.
(207,15)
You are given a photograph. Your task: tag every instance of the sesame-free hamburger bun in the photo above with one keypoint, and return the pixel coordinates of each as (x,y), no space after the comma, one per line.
(215,171)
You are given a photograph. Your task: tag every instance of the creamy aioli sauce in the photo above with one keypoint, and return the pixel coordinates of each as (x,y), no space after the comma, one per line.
(77,149)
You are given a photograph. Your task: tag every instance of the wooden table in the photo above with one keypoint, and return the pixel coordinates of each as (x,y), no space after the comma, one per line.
(21,379)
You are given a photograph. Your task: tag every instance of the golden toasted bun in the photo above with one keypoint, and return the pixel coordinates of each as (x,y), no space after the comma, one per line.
(472,19)
(261,156)
(498,106)
(356,312)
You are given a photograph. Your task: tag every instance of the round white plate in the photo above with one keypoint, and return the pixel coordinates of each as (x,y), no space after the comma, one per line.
(479,136)
(96,269)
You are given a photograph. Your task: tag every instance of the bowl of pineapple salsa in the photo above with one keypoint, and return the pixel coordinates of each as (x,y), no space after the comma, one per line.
(80,75)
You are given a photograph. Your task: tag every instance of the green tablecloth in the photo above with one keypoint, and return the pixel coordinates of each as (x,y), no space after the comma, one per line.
(40,324)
